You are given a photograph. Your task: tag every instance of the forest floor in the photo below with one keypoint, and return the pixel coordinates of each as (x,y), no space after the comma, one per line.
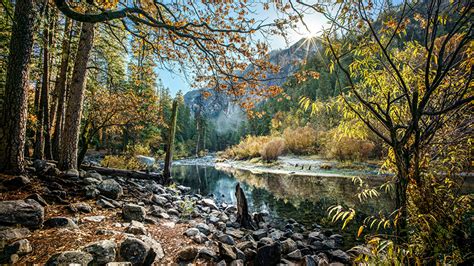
(111,226)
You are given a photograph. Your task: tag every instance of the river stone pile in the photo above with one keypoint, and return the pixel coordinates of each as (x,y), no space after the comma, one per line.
(213,227)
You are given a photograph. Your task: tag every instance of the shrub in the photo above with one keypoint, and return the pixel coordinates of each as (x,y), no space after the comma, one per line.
(248,148)
(347,148)
(302,140)
(122,162)
(139,149)
(272,149)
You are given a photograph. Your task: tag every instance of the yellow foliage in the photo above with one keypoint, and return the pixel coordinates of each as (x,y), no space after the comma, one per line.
(122,162)
(342,147)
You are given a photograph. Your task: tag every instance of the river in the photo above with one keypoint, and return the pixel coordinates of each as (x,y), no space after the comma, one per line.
(283,196)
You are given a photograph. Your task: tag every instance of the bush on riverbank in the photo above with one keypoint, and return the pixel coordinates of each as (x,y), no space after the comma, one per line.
(302,140)
(272,149)
(306,140)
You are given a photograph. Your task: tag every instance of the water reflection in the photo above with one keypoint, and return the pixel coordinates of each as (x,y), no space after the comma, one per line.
(305,199)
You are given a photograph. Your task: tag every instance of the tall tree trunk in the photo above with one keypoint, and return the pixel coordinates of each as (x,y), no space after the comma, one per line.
(14,115)
(60,88)
(70,138)
(42,132)
(170,146)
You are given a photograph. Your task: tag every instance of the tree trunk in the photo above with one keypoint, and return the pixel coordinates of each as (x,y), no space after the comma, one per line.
(170,146)
(42,132)
(14,115)
(402,161)
(60,88)
(70,138)
(85,141)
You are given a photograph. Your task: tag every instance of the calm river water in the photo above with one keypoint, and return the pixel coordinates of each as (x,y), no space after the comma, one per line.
(305,199)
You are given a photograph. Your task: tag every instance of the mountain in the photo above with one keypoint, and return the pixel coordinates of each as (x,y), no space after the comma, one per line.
(220,104)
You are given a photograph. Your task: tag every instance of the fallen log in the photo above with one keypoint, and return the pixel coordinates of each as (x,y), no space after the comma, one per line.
(125,173)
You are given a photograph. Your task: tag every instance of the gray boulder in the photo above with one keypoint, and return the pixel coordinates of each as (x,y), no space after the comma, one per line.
(20,247)
(260,233)
(102,252)
(187,253)
(191,232)
(133,212)
(63,222)
(136,228)
(227,252)
(24,212)
(80,207)
(340,256)
(288,246)
(268,255)
(207,254)
(70,257)
(141,251)
(295,255)
(9,233)
(134,250)
(110,188)
(17,182)
(38,198)
(226,239)
(203,228)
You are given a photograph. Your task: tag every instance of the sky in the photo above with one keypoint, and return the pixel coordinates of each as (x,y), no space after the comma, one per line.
(315,22)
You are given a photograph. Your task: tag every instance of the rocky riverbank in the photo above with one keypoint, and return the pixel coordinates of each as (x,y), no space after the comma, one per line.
(56,218)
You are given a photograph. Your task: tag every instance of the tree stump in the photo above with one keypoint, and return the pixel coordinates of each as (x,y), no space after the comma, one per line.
(243,216)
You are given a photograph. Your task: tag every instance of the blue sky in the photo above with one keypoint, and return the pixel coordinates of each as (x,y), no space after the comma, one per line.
(315,23)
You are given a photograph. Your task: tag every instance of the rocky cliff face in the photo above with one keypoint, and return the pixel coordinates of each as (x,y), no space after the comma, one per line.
(219,105)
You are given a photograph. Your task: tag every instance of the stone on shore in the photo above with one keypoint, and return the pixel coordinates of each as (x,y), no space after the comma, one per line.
(23,212)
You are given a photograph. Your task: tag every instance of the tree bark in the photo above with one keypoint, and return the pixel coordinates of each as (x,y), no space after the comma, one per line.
(42,132)
(70,138)
(402,161)
(14,115)
(60,88)
(170,147)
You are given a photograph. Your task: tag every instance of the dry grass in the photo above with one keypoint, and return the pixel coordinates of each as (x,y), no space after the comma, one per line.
(302,140)
(272,149)
(248,148)
(346,148)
